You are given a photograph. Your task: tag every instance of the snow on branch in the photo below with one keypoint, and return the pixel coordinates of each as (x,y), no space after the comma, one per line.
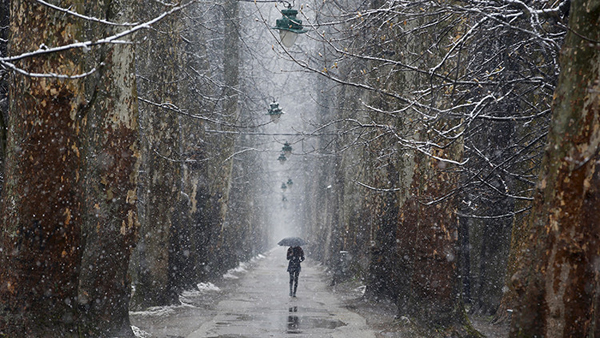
(81,16)
(455,45)
(441,159)
(561,7)
(377,189)
(116,38)
(510,214)
(48,75)
(176,109)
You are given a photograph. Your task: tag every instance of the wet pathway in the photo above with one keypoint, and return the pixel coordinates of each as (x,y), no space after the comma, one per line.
(261,307)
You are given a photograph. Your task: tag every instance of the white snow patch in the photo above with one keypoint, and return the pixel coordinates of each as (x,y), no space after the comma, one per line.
(230,276)
(208,287)
(184,302)
(361,289)
(257,258)
(157,311)
(139,333)
(405,320)
(185,296)
(202,288)
(239,269)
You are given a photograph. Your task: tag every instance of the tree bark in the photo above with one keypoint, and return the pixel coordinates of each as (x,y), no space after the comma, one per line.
(158,60)
(494,242)
(222,255)
(558,288)
(112,163)
(384,282)
(43,204)
(436,299)
(4,24)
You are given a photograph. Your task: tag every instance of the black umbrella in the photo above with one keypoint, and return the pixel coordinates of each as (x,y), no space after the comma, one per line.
(292,241)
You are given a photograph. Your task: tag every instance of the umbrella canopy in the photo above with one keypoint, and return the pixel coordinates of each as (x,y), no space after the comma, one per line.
(292,241)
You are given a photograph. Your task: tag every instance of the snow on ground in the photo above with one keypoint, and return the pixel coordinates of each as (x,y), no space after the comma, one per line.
(361,289)
(189,299)
(186,296)
(211,308)
(202,287)
(139,333)
(156,311)
(241,268)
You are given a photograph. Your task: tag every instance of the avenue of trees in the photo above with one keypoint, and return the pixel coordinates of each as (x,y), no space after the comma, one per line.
(118,161)
(445,157)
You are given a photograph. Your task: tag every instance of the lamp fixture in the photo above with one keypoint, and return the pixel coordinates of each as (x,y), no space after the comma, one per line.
(282,158)
(289,26)
(287,149)
(274,112)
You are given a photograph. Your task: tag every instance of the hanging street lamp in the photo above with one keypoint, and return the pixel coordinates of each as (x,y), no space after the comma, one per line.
(274,112)
(289,26)
(283,186)
(287,149)
(281,158)
(290,183)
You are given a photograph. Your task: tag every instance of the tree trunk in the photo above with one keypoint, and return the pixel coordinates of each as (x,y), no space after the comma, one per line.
(43,204)
(384,282)
(4,24)
(435,300)
(494,242)
(225,143)
(158,59)
(558,288)
(113,156)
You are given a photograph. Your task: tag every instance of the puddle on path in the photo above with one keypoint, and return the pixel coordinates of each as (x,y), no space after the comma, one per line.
(296,323)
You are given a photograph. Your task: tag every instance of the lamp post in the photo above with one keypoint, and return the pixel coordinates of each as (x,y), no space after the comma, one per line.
(287,149)
(274,112)
(289,26)
(282,158)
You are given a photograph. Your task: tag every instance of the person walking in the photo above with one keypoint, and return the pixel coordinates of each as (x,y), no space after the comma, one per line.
(295,255)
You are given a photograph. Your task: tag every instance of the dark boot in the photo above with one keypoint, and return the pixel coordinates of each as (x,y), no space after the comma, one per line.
(291,294)
(295,288)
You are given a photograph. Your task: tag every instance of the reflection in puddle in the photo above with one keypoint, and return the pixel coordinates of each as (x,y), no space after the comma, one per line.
(309,322)
(293,322)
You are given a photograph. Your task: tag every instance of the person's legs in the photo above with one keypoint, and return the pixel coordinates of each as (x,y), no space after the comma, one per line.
(296,274)
(291,282)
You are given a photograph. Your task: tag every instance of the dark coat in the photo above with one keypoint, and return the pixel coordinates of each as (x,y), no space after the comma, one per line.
(295,255)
